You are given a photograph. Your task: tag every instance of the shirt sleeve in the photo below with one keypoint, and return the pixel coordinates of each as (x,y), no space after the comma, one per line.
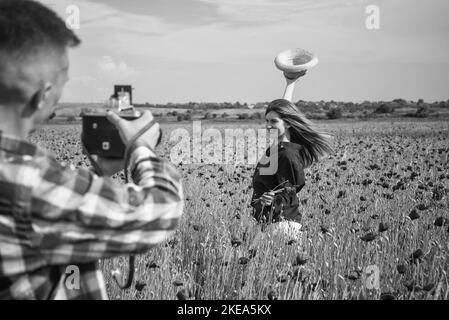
(80,217)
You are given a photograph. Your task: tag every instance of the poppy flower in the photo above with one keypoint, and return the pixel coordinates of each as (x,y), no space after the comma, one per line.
(272,295)
(301,259)
(369,237)
(178,283)
(140,286)
(441,222)
(414,215)
(383,226)
(401,268)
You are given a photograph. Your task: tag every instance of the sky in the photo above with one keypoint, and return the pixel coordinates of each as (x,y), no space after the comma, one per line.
(223,50)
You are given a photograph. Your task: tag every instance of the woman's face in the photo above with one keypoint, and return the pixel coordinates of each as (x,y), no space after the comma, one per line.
(274,122)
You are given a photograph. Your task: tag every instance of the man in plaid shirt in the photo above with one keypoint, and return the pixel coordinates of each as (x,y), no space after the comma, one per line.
(52,216)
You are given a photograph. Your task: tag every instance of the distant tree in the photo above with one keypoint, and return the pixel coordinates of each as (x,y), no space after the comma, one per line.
(188,117)
(180,117)
(401,102)
(242,116)
(224,115)
(71,118)
(208,115)
(423,111)
(261,105)
(329,106)
(301,105)
(334,113)
(367,104)
(385,108)
(85,110)
(351,107)
(256,116)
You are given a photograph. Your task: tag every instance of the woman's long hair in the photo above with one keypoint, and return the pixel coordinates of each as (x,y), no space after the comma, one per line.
(302,131)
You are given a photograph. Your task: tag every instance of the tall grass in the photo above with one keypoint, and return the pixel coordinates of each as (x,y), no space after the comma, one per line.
(380,172)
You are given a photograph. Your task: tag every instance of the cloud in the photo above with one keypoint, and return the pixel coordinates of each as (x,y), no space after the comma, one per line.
(101,17)
(174,12)
(254,12)
(191,13)
(108,67)
(151,42)
(97,82)
(85,80)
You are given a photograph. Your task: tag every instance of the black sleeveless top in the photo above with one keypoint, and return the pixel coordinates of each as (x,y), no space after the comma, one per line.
(290,174)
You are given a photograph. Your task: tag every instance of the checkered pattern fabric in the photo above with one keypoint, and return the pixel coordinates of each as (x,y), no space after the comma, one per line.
(52,216)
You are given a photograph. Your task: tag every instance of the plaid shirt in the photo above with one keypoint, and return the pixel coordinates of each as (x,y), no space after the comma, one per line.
(54,218)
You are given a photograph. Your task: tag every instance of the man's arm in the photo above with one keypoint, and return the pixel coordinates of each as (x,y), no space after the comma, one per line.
(80,217)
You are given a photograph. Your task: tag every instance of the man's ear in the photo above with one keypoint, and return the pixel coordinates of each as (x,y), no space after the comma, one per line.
(37,101)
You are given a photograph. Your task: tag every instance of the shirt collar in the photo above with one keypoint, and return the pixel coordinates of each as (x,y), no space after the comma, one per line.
(16,145)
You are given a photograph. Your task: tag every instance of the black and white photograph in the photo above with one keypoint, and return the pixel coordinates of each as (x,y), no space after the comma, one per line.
(241,151)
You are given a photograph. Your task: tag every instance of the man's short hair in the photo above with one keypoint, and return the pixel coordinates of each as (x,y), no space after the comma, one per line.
(28,27)
(27,24)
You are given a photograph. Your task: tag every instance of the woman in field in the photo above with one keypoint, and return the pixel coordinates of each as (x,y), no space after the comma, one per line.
(275,201)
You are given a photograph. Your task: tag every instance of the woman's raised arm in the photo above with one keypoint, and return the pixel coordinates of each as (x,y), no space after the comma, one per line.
(291,78)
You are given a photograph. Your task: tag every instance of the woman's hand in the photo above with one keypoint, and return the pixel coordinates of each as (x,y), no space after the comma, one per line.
(294,76)
(291,78)
(267,198)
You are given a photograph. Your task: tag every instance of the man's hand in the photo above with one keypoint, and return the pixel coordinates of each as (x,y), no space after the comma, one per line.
(104,167)
(107,167)
(128,129)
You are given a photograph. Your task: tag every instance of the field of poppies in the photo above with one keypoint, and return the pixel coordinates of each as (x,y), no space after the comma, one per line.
(375,221)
